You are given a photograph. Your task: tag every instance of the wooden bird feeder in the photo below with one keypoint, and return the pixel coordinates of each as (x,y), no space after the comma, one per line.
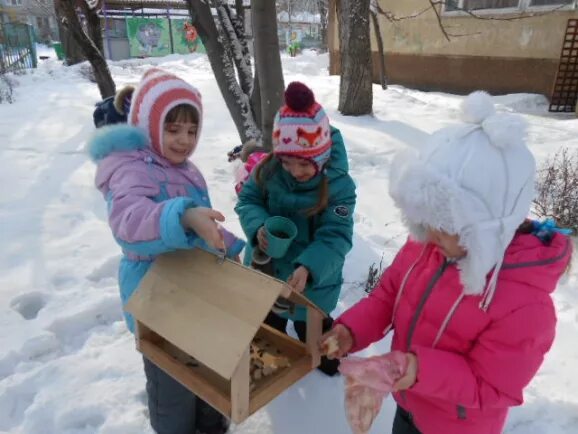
(200,319)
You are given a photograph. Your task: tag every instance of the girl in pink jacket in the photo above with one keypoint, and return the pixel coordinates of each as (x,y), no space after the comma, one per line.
(468,296)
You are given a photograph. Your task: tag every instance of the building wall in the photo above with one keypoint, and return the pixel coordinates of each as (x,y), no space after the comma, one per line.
(39,14)
(496,55)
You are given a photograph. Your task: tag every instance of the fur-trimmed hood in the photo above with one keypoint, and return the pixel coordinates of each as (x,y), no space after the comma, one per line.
(116,138)
(113,146)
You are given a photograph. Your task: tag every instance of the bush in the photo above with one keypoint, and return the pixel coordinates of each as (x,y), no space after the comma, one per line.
(557,189)
(373,276)
(6,89)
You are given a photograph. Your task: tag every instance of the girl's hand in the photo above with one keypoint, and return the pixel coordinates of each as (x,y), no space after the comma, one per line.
(203,221)
(262,239)
(336,343)
(298,279)
(410,376)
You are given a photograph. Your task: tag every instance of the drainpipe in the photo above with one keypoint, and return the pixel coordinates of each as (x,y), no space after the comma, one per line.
(106,33)
(170,32)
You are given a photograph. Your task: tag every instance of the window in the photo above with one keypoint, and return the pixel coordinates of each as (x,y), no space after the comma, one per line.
(42,22)
(452,5)
(16,2)
(550,2)
(473,5)
(506,5)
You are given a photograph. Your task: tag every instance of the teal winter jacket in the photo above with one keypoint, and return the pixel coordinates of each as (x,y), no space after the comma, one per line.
(322,240)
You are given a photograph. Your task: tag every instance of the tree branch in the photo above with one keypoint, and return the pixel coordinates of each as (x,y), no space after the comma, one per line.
(390,16)
(439,18)
(521,16)
(433,5)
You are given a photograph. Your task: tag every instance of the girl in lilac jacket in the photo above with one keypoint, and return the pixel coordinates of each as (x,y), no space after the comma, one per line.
(469,295)
(158,202)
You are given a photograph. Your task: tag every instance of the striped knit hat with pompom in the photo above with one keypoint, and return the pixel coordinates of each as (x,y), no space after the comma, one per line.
(155,96)
(301,127)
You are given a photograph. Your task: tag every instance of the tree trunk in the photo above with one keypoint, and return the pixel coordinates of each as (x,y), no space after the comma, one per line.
(72,52)
(92,25)
(239,26)
(267,64)
(381,53)
(323,30)
(237,101)
(240,9)
(256,97)
(235,48)
(67,10)
(355,92)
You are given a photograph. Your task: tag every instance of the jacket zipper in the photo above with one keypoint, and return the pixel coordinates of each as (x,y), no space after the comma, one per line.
(421,306)
(462,413)
(423,300)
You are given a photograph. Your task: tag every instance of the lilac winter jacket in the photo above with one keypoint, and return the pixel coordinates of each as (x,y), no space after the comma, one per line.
(146,197)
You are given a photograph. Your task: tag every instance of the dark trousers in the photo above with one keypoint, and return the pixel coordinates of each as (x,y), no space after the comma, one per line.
(328,367)
(173,409)
(403,423)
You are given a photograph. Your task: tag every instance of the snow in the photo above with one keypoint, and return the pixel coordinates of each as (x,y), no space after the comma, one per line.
(44,51)
(67,363)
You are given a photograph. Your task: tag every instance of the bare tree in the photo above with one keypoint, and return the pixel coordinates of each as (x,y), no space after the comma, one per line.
(557,189)
(355,91)
(252,100)
(240,10)
(68,13)
(323,8)
(72,52)
(267,64)
(380,52)
(220,52)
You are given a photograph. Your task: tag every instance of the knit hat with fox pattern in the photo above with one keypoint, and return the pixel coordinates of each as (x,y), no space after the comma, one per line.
(301,127)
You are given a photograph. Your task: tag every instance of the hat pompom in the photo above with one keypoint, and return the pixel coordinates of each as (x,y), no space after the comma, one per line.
(505,130)
(299,97)
(477,107)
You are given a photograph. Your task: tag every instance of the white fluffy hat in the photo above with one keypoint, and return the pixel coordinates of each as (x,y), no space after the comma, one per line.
(475,180)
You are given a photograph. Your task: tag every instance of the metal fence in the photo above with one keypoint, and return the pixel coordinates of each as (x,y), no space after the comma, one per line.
(17,48)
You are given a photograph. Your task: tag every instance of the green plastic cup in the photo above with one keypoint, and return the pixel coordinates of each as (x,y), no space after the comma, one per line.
(280,234)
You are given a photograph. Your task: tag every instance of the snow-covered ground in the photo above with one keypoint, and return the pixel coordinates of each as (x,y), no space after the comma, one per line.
(68,364)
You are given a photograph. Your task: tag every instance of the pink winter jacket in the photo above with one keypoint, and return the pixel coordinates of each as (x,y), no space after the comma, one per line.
(482,360)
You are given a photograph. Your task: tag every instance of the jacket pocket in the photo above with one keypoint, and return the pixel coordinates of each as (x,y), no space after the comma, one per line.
(462,413)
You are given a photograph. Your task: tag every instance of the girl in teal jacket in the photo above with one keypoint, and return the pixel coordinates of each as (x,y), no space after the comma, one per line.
(305,179)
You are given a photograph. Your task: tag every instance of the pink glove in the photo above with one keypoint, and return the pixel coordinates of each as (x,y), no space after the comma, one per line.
(367,382)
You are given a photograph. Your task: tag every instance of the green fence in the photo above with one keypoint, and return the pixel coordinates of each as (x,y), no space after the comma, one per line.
(17,48)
